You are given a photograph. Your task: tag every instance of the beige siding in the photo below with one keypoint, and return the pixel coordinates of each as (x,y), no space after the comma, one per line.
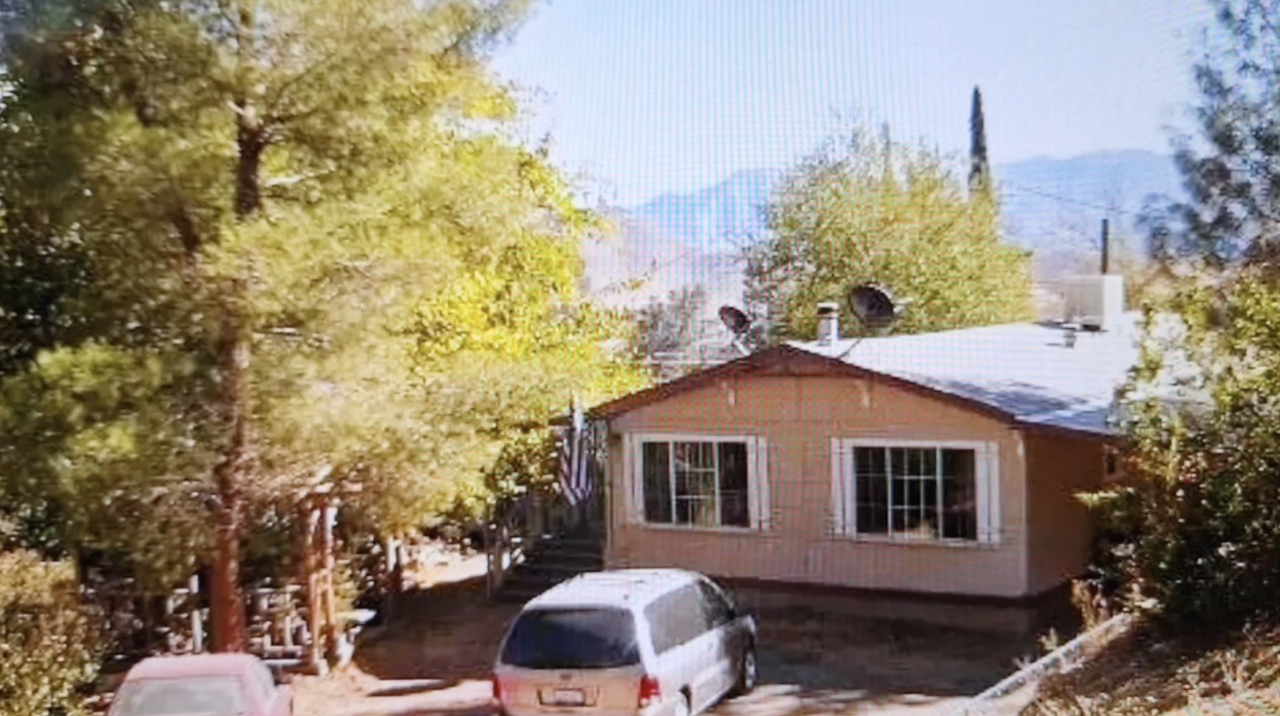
(799,414)
(1060,536)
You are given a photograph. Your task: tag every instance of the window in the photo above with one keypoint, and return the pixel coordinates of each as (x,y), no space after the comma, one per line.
(915,491)
(676,618)
(700,481)
(212,695)
(572,639)
(715,607)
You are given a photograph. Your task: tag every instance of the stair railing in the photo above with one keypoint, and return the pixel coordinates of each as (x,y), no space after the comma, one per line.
(513,532)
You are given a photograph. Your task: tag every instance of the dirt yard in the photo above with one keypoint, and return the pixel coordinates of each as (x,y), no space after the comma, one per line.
(434,661)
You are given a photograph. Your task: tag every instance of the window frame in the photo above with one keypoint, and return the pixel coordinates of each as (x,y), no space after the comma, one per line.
(844,487)
(757,479)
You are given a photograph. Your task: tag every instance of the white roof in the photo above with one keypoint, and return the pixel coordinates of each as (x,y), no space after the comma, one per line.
(1024,369)
(624,588)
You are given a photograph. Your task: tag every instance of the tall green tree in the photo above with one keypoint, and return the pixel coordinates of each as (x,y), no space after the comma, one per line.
(246,200)
(979,165)
(1230,157)
(870,210)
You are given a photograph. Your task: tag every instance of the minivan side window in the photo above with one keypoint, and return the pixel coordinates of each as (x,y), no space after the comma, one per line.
(717,610)
(676,618)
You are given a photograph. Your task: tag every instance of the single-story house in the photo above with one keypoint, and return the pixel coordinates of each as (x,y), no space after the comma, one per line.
(924,471)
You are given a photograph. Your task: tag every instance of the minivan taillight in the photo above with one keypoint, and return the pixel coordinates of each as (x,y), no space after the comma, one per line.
(650,691)
(497,688)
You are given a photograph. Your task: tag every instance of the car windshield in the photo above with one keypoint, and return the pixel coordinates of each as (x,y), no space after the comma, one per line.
(572,639)
(189,696)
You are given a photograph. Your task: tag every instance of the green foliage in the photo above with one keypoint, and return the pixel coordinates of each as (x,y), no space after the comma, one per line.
(864,210)
(48,647)
(1195,524)
(1228,160)
(107,448)
(330,187)
(501,350)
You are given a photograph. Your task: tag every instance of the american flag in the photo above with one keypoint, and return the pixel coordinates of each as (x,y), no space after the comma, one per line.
(576,459)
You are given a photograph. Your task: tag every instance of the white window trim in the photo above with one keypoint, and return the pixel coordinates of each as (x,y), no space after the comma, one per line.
(987,483)
(758,500)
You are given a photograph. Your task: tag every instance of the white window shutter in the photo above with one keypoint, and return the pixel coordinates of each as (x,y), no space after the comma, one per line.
(761,502)
(839,522)
(988,478)
(633,478)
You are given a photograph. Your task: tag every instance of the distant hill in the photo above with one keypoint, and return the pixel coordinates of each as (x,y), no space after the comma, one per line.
(1050,206)
(1046,200)
(718,218)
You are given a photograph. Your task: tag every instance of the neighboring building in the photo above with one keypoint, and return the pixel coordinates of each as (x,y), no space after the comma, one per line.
(942,466)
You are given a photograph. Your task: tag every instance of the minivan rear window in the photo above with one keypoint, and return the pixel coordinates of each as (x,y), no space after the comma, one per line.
(599,638)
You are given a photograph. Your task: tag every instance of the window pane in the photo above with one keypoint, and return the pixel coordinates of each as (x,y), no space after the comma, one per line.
(212,695)
(959,495)
(872,510)
(657,483)
(914,491)
(696,484)
(572,639)
(734,495)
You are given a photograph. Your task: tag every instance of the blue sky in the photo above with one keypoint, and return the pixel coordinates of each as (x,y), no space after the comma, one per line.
(646,97)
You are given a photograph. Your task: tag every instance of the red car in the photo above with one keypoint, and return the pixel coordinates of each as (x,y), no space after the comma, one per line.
(202,685)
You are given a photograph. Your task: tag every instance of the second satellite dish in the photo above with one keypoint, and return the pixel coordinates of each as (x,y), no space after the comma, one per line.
(735,320)
(873,306)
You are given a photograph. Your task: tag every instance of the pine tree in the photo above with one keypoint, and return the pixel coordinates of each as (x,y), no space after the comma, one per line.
(979,167)
(253,196)
(1230,162)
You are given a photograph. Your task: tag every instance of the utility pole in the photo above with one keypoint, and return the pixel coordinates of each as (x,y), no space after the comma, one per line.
(1106,246)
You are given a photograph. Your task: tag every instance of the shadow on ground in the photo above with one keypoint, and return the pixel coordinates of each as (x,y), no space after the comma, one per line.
(440,645)
(446,634)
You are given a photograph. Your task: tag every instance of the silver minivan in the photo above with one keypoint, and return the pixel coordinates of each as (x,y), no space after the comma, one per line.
(646,642)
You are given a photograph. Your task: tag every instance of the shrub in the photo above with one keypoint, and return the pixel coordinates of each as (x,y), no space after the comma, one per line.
(1195,525)
(49,646)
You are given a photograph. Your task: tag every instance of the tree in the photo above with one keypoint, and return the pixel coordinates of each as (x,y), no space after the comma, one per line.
(669,331)
(979,166)
(254,195)
(1230,162)
(867,210)
(1193,526)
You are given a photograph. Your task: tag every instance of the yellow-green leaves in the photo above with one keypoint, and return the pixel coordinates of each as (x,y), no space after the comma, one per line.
(49,646)
(866,211)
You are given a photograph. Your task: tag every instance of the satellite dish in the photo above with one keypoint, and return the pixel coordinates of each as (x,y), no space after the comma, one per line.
(735,320)
(738,324)
(874,306)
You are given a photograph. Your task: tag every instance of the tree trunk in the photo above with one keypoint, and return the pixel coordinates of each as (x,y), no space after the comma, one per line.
(226,599)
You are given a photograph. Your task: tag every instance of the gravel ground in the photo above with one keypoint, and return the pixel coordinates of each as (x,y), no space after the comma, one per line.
(434,660)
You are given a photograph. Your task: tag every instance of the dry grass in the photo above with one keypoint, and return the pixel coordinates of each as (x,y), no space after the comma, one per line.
(890,656)
(1147,674)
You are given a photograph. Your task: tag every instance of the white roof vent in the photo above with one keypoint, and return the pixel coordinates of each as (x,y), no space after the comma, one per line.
(1094,302)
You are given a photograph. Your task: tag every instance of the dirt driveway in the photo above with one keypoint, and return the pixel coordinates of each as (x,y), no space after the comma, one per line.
(434,661)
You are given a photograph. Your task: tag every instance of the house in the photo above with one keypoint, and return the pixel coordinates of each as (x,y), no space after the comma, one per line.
(928,475)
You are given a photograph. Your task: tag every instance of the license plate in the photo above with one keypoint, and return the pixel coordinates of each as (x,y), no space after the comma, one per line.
(569,697)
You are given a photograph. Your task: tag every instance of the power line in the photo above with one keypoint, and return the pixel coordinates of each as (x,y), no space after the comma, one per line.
(1067,200)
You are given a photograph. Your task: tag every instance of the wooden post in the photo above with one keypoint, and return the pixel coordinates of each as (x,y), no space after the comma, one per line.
(315,657)
(330,607)
(197,624)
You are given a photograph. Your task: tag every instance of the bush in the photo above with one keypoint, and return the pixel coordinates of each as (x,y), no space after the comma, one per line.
(1195,525)
(49,647)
